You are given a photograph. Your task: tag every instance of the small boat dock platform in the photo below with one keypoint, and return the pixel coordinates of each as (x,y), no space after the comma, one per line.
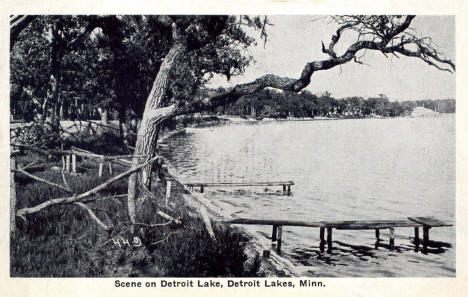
(286,185)
(426,223)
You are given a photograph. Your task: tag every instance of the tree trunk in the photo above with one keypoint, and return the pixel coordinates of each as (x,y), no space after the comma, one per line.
(148,132)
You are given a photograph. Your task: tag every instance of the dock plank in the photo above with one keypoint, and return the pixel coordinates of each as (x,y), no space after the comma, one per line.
(370,224)
(430,221)
(240,184)
(275,222)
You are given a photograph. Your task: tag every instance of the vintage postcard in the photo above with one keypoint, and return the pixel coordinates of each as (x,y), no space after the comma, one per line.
(287,148)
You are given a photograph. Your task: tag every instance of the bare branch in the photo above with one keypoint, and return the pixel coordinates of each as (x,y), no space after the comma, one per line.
(168,217)
(43,180)
(383,31)
(154,225)
(162,240)
(82,196)
(93,216)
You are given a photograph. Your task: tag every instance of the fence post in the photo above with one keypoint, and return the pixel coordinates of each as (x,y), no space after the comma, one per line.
(168,191)
(12,196)
(101,164)
(67,163)
(73,163)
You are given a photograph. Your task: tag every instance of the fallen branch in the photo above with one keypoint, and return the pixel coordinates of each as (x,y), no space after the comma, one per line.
(207,222)
(42,151)
(154,225)
(93,216)
(29,165)
(80,197)
(105,198)
(168,217)
(162,240)
(43,180)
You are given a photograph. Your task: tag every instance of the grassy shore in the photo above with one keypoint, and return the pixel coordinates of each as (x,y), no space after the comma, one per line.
(62,241)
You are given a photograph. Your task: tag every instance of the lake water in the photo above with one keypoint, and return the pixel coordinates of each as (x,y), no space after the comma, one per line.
(342,170)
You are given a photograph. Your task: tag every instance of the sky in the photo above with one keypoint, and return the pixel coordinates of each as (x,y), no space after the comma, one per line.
(296,40)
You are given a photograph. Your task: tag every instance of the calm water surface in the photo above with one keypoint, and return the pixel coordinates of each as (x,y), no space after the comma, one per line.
(343,170)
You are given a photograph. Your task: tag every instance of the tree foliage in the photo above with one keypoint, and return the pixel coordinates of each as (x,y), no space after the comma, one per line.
(275,104)
(111,61)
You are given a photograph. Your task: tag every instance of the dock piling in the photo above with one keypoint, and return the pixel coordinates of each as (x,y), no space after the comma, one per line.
(416,239)
(322,239)
(273,234)
(329,239)
(377,234)
(392,238)
(280,235)
(425,238)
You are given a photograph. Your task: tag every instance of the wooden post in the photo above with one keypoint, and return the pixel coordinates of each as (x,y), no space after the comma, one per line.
(100,168)
(392,238)
(284,189)
(329,239)
(280,235)
(110,168)
(425,238)
(67,163)
(416,239)
(273,234)
(377,234)
(168,191)
(201,189)
(73,163)
(322,239)
(12,196)
(289,190)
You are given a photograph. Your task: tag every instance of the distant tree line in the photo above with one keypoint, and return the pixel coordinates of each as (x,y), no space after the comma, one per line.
(276,104)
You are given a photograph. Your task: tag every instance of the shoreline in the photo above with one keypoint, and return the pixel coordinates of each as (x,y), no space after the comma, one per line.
(272,266)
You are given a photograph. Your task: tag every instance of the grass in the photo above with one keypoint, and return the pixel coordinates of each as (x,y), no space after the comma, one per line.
(62,241)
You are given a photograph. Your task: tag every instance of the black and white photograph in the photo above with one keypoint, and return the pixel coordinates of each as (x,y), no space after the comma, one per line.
(232,146)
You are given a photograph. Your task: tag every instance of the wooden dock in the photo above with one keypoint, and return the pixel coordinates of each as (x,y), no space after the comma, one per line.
(426,223)
(286,185)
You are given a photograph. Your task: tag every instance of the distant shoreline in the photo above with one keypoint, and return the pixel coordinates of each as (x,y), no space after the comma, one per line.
(225,119)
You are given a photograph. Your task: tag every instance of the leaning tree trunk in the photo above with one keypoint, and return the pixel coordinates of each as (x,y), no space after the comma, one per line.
(148,132)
